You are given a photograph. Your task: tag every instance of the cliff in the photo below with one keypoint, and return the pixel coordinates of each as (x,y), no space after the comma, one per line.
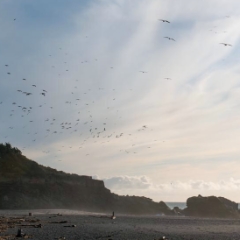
(24,184)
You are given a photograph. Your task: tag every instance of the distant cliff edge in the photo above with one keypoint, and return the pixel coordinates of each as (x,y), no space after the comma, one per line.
(24,184)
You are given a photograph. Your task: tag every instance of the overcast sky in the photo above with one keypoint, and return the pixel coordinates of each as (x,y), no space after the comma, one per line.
(97,88)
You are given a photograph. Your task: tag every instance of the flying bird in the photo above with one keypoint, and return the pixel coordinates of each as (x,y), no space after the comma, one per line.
(226,44)
(163,20)
(170,38)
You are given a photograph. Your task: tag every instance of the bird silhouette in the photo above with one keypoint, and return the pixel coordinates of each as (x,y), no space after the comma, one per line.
(226,44)
(165,21)
(170,38)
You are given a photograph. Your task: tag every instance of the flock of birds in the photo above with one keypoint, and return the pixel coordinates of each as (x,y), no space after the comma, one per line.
(84,127)
(172,39)
(54,126)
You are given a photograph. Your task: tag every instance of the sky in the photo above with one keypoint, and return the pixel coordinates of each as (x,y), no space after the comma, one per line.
(97,88)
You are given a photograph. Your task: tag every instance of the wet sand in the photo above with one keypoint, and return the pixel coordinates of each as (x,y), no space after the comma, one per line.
(81,225)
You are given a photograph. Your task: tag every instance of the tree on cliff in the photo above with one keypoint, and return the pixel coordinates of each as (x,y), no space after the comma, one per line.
(7,148)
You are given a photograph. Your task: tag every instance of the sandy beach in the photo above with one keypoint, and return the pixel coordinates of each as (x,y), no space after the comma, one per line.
(82,225)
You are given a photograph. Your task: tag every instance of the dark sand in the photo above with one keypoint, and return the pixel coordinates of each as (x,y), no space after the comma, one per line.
(100,226)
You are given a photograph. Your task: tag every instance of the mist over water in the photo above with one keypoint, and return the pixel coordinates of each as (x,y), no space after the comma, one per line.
(171,205)
(46,212)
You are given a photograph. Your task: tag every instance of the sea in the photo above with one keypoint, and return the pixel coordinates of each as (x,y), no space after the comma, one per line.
(181,205)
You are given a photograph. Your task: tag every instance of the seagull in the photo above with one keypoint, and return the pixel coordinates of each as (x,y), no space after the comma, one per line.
(163,20)
(34,85)
(168,78)
(170,38)
(142,71)
(226,44)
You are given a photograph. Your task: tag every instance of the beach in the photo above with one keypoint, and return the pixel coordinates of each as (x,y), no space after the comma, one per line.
(71,225)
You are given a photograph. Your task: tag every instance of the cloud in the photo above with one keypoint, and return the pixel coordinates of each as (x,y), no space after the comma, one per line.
(126,182)
(144,186)
(143,182)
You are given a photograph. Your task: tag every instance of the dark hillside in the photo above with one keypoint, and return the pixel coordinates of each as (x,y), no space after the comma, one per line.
(24,184)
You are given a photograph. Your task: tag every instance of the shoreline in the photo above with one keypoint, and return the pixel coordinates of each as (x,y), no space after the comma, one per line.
(86,225)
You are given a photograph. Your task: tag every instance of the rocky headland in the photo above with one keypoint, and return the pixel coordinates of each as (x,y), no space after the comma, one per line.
(24,184)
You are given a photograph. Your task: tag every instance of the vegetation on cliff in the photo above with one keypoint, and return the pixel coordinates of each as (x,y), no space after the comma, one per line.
(7,148)
(15,166)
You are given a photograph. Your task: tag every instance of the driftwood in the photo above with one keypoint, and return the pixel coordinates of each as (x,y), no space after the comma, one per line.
(32,225)
(71,225)
(59,222)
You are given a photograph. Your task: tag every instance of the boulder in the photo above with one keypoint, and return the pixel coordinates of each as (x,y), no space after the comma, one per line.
(177,211)
(211,207)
